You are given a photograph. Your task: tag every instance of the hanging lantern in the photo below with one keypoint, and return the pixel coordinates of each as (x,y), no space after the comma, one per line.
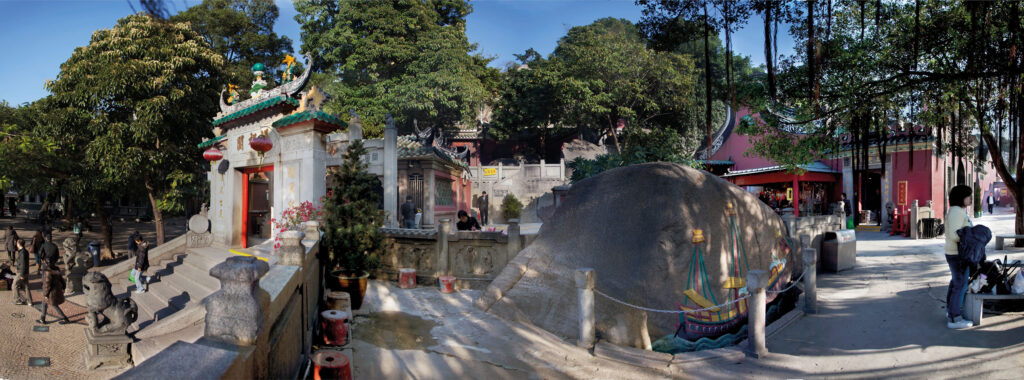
(261,144)
(212,155)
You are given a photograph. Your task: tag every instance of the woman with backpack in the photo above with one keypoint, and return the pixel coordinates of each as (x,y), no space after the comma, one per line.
(960,197)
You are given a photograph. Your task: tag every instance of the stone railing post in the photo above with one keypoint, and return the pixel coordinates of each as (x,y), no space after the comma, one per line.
(756,282)
(515,240)
(233,313)
(790,221)
(442,245)
(912,223)
(585,278)
(292,252)
(810,259)
(311,230)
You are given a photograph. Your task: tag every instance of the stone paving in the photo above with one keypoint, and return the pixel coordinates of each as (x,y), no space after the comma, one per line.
(63,344)
(882,319)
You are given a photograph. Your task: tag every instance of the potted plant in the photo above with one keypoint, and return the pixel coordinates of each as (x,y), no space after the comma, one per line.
(511,208)
(352,240)
(293,217)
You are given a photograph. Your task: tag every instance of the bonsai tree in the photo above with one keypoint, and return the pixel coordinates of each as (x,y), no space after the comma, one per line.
(351,218)
(511,207)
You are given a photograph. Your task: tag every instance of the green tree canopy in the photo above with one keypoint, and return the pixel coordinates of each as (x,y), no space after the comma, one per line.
(243,32)
(135,102)
(408,58)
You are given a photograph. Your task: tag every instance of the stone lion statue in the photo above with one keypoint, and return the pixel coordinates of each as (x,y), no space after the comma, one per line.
(117,314)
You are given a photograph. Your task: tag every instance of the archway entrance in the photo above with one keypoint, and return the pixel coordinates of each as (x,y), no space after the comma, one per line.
(257,205)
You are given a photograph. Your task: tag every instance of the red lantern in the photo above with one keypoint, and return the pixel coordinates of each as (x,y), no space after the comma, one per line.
(261,144)
(213,154)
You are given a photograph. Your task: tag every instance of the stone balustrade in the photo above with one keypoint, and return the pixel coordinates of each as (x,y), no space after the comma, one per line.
(258,325)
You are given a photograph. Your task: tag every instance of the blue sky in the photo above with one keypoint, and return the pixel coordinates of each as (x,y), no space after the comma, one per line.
(36,36)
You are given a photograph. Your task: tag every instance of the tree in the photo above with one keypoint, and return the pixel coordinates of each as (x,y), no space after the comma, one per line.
(528,100)
(243,32)
(351,217)
(608,74)
(410,58)
(136,101)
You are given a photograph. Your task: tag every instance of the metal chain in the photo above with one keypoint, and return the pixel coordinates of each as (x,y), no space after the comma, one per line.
(791,286)
(669,311)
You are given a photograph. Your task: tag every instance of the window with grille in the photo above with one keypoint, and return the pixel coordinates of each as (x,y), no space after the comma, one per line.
(443,194)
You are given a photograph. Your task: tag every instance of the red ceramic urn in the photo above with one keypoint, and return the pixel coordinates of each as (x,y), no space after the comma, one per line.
(331,364)
(334,328)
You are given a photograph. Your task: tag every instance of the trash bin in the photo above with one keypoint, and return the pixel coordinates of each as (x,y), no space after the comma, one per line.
(929,228)
(839,250)
(94,250)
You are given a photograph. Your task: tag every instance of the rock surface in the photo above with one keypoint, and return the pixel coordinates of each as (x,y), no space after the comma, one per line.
(633,225)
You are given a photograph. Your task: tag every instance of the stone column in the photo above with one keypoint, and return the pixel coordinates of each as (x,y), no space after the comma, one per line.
(757,280)
(292,252)
(233,313)
(442,245)
(585,279)
(311,230)
(391,172)
(810,260)
(912,221)
(790,221)
(515,239)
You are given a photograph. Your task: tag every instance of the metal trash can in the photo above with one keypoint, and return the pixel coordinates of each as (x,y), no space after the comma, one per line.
(929,228)
(94,249)
(839,250)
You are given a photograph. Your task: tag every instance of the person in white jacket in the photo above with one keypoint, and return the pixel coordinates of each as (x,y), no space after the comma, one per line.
(956,218)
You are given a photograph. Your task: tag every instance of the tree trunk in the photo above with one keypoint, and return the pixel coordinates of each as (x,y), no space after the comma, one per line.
(707,83)
(812,58)
(1018,219)
(68,211)
(158,218)
(107,252)
(768,53)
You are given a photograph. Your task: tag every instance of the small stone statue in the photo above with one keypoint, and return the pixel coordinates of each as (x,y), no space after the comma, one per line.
(77,264)
(117,314)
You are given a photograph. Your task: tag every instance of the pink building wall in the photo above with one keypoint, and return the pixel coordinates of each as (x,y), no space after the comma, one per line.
(736,146)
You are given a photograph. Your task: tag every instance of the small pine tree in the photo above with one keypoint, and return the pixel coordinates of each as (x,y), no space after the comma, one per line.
(511,207)
(351,218)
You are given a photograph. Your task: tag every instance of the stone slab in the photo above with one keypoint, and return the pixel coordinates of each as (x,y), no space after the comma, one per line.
(734,354)
(204,362)
(632,356)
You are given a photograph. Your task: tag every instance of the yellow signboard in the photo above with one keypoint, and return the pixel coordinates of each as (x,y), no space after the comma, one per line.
(789,194)
(490,171)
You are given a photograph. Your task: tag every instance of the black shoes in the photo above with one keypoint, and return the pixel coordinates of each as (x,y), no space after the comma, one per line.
(19,302)
(41,321)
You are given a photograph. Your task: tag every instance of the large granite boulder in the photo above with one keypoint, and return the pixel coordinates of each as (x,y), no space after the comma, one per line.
(634,226)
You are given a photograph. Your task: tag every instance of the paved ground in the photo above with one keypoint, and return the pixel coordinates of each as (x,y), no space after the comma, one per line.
(63,344)
(885,318)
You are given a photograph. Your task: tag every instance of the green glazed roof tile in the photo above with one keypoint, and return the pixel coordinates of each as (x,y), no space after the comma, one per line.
(256,107)
(309,115)
(212,141)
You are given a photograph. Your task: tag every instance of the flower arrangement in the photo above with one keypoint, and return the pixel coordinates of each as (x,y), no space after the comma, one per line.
(293,217)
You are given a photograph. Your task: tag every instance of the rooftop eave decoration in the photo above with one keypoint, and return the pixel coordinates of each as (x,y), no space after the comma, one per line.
(211,142)
(267,103)
(323,122)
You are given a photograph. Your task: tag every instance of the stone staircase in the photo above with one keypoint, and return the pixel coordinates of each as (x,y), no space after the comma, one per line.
(171,309)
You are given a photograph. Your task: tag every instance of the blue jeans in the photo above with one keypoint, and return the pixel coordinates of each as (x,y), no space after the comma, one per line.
(137,274)
(410,223)
(957,290)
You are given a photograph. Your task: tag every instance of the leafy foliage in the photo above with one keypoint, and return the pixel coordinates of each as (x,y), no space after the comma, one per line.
(243,32)
(351,217)
(411,59)
(511,207)
(658,145)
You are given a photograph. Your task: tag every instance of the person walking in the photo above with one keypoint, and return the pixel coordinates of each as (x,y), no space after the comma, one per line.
(991,202)
(957,218)
(21,282)
(408,212)
(49,252)
(35,248)
(484,202)
(53,292)
(10,239)
(141,264)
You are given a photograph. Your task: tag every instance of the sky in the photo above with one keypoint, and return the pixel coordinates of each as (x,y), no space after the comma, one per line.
(36,36)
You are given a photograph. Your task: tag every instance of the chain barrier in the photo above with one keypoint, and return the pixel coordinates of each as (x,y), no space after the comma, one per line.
(613,299)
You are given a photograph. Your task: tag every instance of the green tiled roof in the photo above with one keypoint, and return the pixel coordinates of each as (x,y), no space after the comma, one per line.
(212,141)
(256,107)
(409,147)
(309,115)
(717,162)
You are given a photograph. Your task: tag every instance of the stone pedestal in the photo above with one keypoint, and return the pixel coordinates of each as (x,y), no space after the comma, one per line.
(107,351)
(74,284)
(311,230)
(233,313)
(292,251)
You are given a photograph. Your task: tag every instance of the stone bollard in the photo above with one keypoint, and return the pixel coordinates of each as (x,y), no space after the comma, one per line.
(292,251)
(312,233)
(585,278)
(810,258)
(912,220)
(790,221)
(757,280)
(442,244)
(233,313)
(515,240)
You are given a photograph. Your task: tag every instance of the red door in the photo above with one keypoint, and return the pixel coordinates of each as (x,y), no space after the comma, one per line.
(246,175)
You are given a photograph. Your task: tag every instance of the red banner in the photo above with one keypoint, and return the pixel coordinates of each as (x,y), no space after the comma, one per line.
(901,193)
